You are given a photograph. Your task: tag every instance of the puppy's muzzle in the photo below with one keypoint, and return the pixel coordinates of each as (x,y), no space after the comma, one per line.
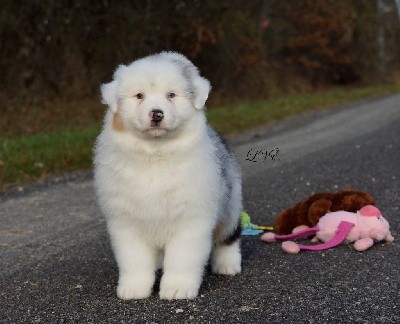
(156,116)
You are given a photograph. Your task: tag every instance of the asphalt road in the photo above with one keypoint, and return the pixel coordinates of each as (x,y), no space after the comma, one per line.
(57,265)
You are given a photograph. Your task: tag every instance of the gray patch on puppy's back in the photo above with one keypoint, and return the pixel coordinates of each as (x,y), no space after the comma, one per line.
(224,151)
(228,230)
(230,171)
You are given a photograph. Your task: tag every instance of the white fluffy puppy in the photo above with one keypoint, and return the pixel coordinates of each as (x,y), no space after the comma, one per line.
(168,185)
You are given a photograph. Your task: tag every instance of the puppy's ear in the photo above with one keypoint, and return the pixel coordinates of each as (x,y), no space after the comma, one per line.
(202,89)
(109,95)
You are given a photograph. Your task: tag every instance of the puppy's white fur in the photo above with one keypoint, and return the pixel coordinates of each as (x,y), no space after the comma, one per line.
(171,193)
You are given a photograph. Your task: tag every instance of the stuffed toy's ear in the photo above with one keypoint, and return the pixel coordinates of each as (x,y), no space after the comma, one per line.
(109,95)
(202,89)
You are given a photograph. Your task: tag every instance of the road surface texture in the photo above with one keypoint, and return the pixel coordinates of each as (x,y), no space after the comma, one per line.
(57,265)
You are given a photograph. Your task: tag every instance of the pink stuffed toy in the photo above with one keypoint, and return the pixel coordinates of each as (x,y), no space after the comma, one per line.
(363,228)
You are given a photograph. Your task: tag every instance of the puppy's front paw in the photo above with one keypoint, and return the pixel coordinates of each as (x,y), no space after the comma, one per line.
(178,288)
(134,288)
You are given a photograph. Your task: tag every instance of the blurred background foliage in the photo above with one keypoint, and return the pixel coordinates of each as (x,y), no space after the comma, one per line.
(55,54)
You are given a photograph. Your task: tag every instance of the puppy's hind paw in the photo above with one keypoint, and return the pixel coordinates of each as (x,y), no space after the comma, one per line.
(127,292)
(226,259)
(176,293)
(228,270)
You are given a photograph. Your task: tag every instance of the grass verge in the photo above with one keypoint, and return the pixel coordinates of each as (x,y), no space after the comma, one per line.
(239,117)
(26,158)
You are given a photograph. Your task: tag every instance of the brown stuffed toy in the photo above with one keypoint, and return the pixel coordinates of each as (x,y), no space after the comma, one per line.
(309,211)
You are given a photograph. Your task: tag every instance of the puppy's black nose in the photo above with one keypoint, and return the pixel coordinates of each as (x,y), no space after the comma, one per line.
(156,115)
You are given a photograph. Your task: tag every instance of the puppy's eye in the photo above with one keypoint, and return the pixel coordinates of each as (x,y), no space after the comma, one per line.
(140,96)
(171,95)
